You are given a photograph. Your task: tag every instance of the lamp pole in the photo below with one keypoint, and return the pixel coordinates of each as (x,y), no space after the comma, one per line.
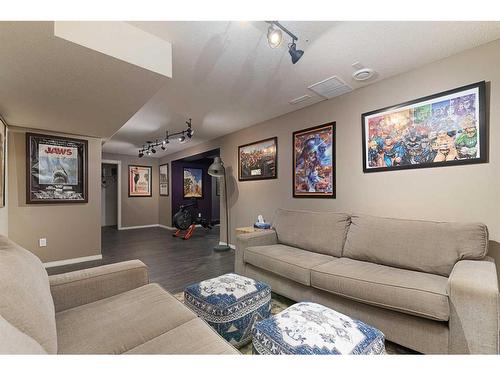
(218,170)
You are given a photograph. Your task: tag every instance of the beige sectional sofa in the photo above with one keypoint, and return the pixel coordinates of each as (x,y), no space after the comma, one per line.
(112,309)
(428,286)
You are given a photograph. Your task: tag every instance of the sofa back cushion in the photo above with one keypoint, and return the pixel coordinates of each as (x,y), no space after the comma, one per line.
(25,299)
(426,246)
(319,232)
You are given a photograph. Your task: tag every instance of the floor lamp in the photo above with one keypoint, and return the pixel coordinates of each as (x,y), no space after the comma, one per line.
(217,170)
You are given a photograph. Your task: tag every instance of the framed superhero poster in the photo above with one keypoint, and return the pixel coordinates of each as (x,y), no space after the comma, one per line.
(139,181)
(258,160)
(56,169)
(440,130)
(314,162)
(192,183)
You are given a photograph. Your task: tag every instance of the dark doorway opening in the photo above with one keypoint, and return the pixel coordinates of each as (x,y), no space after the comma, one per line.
(209,202)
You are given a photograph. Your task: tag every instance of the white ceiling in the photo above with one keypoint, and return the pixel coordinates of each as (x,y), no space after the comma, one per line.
(225,77)
(50,83)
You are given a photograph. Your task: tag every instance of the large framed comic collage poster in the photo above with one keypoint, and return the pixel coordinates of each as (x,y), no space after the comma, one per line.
(56,169)
(314,162)
(444,129)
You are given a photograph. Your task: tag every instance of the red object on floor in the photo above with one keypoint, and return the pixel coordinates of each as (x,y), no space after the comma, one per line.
(187,235)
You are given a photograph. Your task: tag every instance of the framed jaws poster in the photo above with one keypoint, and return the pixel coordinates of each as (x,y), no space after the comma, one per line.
(56,169)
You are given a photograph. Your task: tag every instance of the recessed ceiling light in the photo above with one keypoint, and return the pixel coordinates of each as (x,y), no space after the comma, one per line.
(363,74)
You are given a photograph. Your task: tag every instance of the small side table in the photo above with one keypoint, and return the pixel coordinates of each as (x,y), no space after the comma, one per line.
(243,230)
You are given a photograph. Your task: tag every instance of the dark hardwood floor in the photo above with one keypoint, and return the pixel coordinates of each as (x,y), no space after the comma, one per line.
(173,263)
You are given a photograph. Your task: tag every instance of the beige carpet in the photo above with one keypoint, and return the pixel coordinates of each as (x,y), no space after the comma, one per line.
(280,303)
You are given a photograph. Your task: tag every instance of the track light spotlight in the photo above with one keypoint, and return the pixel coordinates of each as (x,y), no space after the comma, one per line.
(148,152)
(153,150)
(182,139)
(141,153)
(163,147)
(274,37)
(295,53)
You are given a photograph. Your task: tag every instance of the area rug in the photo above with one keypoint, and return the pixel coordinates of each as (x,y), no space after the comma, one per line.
(280,303)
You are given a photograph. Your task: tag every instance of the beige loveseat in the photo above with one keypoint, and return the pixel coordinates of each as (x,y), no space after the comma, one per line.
(427,285)
(110,309)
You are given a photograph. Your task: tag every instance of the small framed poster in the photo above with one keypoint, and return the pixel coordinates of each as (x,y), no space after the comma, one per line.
(439,130)
(193,182)
(258,160)
(56,169)
(314,162)
(164,180)
(139,181)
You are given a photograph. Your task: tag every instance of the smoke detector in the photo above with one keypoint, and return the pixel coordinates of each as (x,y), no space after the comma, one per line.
(363,74)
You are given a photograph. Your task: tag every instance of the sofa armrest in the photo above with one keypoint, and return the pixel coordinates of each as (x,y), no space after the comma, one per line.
(474,307)
(259,238)
(88,285)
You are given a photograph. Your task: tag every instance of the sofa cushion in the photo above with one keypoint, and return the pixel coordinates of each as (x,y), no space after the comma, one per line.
(193,337)
(119,323)
(412,292)
(25,300)
(13,341)
(290,262)
(320,232)
(425,246)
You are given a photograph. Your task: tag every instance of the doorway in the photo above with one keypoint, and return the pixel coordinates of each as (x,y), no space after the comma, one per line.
(207,196)
(110,194)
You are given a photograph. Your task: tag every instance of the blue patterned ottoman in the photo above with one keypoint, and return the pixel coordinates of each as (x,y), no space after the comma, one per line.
(231,304)
(310,328)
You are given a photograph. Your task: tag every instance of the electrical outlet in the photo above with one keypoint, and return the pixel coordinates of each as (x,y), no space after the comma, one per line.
(42,242)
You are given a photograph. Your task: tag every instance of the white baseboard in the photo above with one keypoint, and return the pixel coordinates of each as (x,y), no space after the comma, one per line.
(140,227)
(72,261)
(225,243)
(166,227)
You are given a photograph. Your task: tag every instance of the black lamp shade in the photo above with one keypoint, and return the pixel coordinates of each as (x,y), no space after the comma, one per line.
(295,53)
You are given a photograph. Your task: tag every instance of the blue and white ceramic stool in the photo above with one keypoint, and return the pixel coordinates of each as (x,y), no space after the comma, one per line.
(310,328)
(231,304)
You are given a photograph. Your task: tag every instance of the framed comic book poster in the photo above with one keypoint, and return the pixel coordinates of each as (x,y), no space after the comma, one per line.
(164,180)
(139,181)
(314,162)
(56,169)
(440,130)
(258,160)
(192,183)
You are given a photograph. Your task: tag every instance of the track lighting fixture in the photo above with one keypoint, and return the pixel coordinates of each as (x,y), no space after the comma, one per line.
(275,37)
(182,137)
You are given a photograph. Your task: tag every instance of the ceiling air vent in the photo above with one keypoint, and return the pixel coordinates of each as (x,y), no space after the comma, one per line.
(330,87)
(300,99)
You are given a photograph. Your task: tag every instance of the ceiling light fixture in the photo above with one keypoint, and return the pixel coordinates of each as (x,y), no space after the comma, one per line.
(275,37)
(182,137)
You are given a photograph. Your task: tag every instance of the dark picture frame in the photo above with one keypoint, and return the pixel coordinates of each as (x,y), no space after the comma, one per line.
(135,174)
(164,179)
(439,130)
(3,158)
(264,146)
(191,182)
(305,142)
(56,169)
